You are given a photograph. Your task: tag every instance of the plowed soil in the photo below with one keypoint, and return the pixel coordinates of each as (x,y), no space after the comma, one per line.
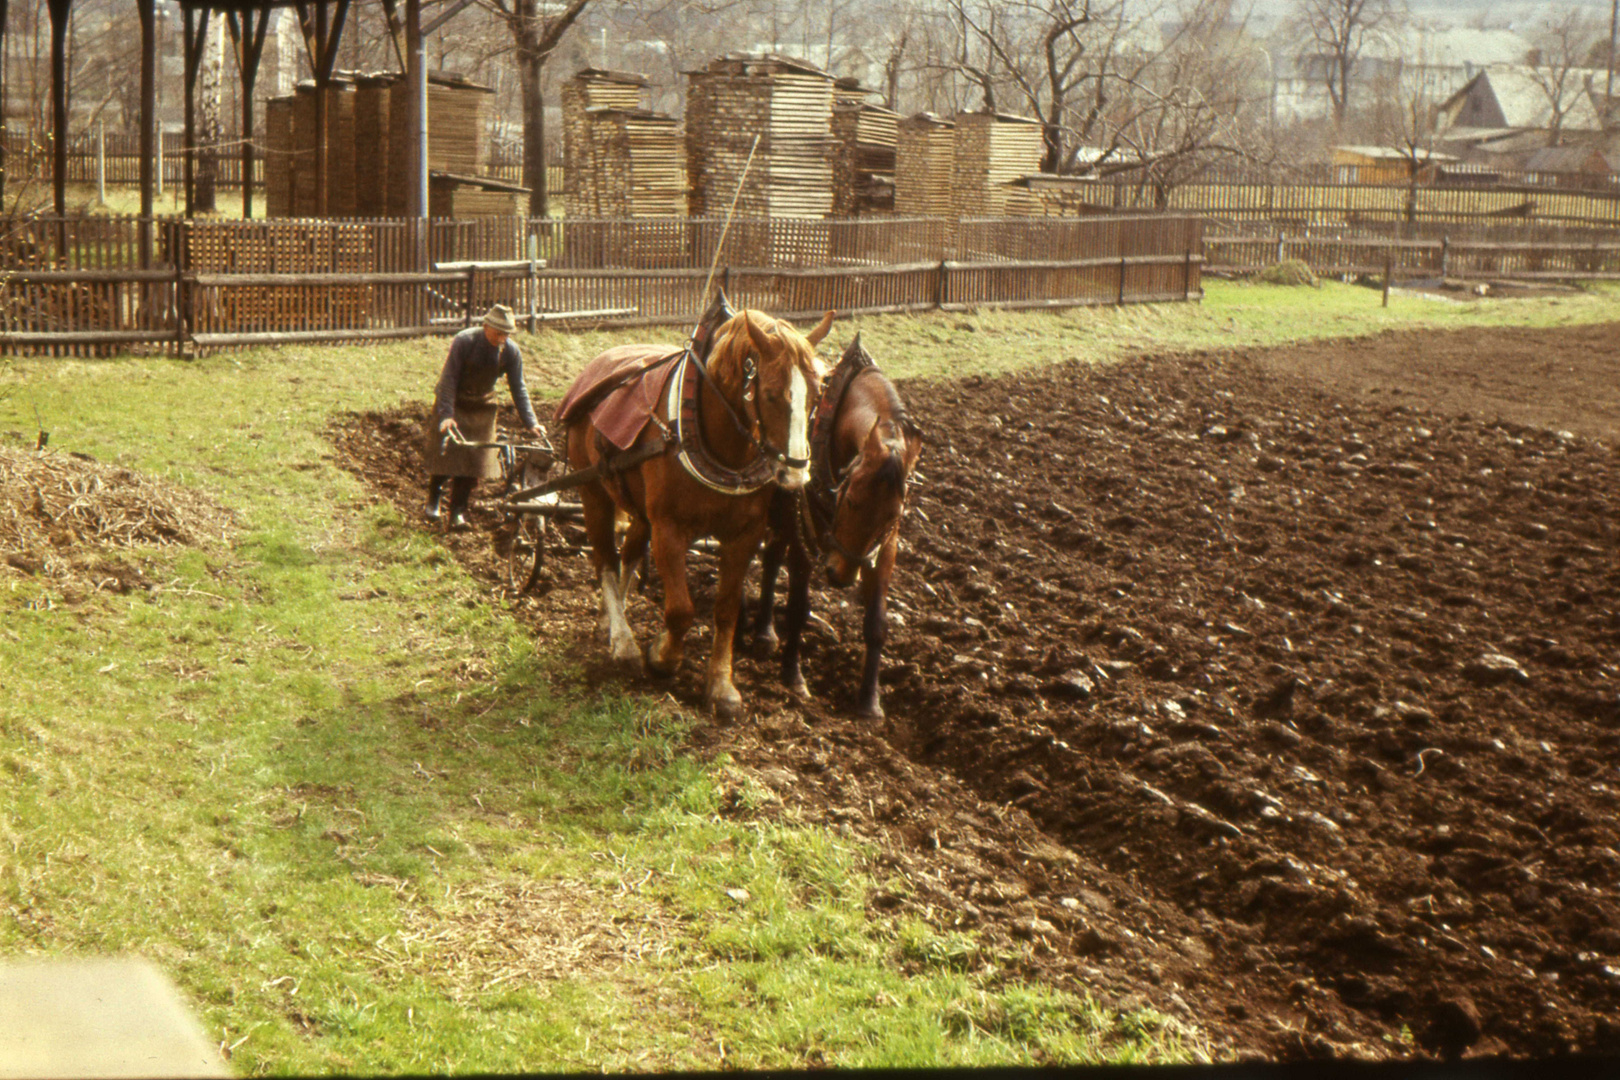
(1276,690)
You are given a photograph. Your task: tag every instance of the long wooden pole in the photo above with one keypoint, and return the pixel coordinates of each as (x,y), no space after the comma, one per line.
(703,297)
(59,105)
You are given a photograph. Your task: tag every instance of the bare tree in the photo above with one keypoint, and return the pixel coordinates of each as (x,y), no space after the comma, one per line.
(536,35)
(1559,47)
(1337,32)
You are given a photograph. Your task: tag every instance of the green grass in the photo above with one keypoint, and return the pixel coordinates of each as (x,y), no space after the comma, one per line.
(325,783)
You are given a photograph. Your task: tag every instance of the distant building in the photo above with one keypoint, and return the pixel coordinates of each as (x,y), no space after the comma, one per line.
(1503,116)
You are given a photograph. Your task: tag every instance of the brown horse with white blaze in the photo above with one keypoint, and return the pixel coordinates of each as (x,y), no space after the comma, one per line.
(863,450)
(725,436)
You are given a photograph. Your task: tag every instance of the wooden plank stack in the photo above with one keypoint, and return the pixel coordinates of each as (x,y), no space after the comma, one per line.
(458,132)
(788,104)
(992,150)
(865,136)
(341,156)
(372,179)
(925,154)
(591,88)
(634,163)
(279,163)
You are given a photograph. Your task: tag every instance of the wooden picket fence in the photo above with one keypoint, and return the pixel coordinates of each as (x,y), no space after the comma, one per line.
(95,285)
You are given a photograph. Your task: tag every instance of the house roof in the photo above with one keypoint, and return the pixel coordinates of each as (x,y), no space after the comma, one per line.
(1453,47)
(1566,159)
(1523,102)
(1390,153)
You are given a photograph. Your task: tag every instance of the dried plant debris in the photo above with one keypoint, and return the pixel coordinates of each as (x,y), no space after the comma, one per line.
(61,514)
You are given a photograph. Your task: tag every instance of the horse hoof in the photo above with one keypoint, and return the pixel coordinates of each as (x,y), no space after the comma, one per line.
(798,687)
(765,645)
(727,708)
(653,666)
(873,711)
(628,659)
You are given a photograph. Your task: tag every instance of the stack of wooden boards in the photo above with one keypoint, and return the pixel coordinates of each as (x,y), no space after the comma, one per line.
(368,138)
(863,166)
(619,159)
(991,151)
(787,105)
(925,154)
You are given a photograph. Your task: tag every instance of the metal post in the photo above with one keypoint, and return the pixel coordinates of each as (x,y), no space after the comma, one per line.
(101,163)
(1389,272)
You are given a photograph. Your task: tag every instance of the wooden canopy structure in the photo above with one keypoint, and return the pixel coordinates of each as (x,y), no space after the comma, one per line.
(322,23)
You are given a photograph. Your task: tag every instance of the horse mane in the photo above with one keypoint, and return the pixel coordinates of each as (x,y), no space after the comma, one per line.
(892,472)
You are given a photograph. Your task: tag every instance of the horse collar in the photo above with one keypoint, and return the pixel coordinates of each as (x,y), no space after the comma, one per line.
(684,415)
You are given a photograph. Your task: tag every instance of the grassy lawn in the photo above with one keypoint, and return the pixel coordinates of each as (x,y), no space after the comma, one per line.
(323,781)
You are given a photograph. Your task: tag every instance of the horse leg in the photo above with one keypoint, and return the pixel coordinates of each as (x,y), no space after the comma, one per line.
(770,565)
(633,554)
(798,614)
(720,692)
(599,520)
(875,628)
(669,555)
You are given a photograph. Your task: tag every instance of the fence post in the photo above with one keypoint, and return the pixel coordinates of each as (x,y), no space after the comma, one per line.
(1389,271)
(1282,242)
(182,295)
(941,285)
(534,291)
(467,308)
(1445,255)
(1186,277)
(1122,265)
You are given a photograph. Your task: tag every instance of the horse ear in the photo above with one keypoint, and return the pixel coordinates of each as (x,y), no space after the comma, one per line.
(761,342)
(874,446)
(814,337)
(912,438)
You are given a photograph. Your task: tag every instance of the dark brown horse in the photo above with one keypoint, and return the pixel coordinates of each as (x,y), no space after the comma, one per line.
(724,437)
(863,448)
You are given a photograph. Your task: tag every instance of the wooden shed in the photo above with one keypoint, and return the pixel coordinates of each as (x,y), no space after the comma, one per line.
(591,88)
(1385,164)
(992,149)
(784,101)
(865,137)
(925,152)
(634,160)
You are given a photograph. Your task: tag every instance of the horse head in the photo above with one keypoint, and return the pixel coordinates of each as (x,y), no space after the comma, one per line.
(773,370)
(872,497)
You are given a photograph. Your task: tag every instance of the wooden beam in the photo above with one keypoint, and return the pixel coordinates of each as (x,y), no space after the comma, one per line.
(59,103)
(196,33)
(147,10)
(3,6)
(247,37)
(396,31)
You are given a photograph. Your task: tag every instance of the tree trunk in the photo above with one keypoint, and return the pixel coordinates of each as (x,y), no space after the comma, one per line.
(531,67)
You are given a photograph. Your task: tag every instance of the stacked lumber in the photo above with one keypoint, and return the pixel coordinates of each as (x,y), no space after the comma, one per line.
(865,136)
(371,136)
(925,155)
(341,157)
(635,165)
(591,88)
(458,131)
(279,163)
(787,103)
(304,153)
(992,150)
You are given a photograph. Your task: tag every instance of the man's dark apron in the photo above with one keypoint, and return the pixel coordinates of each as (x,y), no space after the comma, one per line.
(475,411)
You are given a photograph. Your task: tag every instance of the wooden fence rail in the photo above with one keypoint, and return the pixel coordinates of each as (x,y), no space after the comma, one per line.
(203,299)
(1414,258)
